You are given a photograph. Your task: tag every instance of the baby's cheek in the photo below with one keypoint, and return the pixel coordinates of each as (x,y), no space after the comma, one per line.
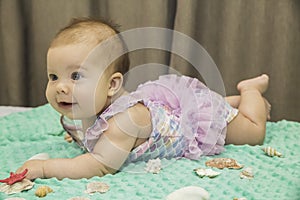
(87,103)
(50,96)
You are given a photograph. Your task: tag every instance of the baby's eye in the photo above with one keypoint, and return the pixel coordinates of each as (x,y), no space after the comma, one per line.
(76,76)
(53,77)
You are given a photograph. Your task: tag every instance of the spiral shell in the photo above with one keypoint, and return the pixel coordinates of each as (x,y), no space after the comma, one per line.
(247,173)
(42,191)
(271,152)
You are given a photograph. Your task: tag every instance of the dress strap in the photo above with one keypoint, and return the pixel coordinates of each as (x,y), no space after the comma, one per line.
(74,131)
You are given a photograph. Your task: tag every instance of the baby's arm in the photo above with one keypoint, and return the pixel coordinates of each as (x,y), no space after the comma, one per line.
(126,131)
(83,166)
(109,153)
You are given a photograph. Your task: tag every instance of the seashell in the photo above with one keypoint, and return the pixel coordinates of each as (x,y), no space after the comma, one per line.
(222,163)
(247,173)
(79,198)
(17,187)
(40,156)
(42,191)
(190,193)
(206,172)
(271,152)
(96,187)
(153,166)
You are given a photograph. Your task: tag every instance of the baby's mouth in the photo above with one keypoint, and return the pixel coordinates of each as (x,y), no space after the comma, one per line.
(66,104)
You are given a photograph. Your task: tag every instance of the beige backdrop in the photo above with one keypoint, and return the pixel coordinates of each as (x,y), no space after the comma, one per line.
(244,38)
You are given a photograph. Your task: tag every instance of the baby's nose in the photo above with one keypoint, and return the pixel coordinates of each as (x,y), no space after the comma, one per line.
(62,87)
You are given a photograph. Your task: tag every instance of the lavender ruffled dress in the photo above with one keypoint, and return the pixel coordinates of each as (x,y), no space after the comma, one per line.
(188,119)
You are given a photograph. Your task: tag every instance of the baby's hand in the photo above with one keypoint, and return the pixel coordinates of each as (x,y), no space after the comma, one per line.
(35,169)
(68,138)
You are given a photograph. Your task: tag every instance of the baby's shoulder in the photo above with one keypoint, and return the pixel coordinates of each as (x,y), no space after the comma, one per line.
(135,120)
(139,114)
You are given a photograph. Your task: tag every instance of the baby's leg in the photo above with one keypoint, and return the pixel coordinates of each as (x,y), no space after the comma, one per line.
(249,126)
(234,101)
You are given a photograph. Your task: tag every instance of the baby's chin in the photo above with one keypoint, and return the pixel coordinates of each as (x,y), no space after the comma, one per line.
(80,116)
(76,114)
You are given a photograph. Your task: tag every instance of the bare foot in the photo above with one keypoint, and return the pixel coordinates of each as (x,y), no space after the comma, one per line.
(259,83)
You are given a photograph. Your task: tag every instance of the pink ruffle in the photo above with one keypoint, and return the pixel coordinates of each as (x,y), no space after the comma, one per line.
(94,132)
(202,112)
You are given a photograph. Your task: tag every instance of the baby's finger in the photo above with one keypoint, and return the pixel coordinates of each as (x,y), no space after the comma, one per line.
(19,170)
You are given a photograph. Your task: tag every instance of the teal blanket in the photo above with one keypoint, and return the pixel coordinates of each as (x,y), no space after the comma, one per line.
(25,134)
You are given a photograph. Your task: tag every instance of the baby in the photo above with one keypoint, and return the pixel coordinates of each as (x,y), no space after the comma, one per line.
(174,116)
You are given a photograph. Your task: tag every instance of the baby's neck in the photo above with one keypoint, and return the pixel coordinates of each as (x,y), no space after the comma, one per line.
(120,93)
(88,122)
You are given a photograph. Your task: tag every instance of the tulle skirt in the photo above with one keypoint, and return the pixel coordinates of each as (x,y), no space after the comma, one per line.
(204,114)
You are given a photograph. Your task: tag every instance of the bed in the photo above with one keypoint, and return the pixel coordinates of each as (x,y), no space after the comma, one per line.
(37,130)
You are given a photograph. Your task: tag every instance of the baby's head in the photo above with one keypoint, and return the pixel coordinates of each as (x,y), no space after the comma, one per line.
(85,68)
(92,32)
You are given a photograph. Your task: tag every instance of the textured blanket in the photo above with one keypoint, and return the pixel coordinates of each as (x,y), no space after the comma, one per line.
(25,134)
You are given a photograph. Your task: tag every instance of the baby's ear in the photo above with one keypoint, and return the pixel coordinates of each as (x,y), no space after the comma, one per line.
(116,82)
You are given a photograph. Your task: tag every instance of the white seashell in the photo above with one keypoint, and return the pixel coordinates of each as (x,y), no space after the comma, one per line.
(17,187)
(222,163)
(96,187)
(271,152)
(40,156)
(153,166)
(190,193)
(206,172)
(247,173)
(79,198)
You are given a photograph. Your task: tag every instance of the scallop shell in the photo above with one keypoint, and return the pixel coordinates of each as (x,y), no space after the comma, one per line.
(96,187)
(206,172)
(271,152)
(17,187)
(222,163)
(42,191)
(247,173)
(153,166)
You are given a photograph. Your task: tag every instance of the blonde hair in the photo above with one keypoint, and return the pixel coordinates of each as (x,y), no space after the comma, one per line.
(92,32)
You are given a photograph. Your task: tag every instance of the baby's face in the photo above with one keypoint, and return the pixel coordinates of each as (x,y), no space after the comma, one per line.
(77,86)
